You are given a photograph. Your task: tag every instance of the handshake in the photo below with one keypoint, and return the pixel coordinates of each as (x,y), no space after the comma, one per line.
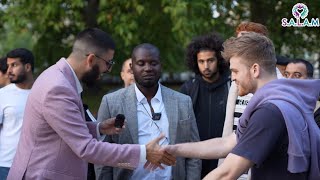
(155,154)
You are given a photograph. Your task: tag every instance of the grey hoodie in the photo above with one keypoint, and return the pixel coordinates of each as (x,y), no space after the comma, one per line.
(296,100)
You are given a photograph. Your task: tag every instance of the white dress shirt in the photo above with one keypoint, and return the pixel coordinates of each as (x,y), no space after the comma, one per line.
(149,129)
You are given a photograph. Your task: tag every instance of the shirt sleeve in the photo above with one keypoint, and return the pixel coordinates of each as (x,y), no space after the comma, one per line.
(1,115)
(265,127)
(143,154)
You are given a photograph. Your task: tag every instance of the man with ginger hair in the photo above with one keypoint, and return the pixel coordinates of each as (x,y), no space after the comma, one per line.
(272,138)
(237,104)
(251,27)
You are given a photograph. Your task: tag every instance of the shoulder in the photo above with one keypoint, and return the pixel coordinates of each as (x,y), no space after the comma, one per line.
(175,94)
(117,95)
(267,115)
(190,82)
(269,107)
(51,78)
(188,85)
(7,89)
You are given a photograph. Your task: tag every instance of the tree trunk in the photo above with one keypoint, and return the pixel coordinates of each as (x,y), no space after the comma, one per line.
(91,12)
(260,10)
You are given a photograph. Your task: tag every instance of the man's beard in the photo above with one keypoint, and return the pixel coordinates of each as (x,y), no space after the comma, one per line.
(90,78)
(20,78)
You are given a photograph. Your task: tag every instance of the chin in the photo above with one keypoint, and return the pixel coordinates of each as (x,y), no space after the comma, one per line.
(148,84)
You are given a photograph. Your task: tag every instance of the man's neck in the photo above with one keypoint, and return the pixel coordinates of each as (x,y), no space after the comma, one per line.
(27,84)
(75,66)
(149,93)
(265,81)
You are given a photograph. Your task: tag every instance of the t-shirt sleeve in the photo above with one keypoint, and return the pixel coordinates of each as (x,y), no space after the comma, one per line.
(265,127)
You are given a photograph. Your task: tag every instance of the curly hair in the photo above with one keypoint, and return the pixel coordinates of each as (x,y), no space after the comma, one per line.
(211,42)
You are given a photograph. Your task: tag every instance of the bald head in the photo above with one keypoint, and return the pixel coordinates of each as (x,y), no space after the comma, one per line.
(150,48)
(126,73)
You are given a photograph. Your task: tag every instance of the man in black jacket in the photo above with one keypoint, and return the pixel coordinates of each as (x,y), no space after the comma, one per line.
(209,89)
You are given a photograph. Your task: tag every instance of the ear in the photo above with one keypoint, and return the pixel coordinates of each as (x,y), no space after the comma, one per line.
(90,60)
(122,75)
(27,67)
(255,70)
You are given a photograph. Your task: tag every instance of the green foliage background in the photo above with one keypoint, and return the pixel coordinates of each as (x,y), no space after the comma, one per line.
(48,27)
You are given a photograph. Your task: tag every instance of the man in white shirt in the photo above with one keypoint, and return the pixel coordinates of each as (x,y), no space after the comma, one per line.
(150,110)
(13,101)
(4,79)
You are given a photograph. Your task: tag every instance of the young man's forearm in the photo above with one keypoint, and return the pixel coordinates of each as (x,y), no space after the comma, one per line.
(210,149)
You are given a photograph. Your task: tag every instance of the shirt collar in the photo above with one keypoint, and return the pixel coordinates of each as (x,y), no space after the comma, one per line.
(141,98)
(78,84)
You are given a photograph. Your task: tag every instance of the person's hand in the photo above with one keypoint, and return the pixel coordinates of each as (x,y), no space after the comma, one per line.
(171,149)
(107,127)
(157,155)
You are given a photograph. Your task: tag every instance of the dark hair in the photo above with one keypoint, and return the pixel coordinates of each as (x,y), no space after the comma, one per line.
(210,42)
(281,60)
(152,48)
(93,40)
(3,65)
(308,65)
(24,55)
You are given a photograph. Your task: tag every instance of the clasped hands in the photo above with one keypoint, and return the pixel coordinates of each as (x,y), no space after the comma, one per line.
(156,155)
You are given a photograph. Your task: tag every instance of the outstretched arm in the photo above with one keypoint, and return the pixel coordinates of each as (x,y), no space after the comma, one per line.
(210,149)
(232,168)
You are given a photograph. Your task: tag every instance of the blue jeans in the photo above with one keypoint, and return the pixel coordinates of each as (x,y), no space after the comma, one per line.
(4,171)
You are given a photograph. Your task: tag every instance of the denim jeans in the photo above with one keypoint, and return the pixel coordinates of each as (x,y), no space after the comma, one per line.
(4,171)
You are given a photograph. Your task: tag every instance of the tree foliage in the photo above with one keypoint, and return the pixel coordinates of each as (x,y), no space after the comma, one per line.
(49,27)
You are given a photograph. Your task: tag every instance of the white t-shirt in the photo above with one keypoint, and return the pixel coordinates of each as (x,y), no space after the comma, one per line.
(12,104)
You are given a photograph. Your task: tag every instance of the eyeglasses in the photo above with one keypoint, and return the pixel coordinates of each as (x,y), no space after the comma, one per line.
(109,63)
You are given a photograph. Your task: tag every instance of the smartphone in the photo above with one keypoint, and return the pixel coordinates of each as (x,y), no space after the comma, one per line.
(119,122)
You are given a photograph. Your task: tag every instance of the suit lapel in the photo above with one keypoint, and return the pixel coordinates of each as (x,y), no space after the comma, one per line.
(129,102)
(171,106)
(65,69)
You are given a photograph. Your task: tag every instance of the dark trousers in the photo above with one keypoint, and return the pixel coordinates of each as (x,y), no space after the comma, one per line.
(4,171)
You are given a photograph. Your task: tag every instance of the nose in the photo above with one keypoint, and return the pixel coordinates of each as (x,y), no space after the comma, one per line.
(148,67)
(206,65)
(9,70)
(233,77)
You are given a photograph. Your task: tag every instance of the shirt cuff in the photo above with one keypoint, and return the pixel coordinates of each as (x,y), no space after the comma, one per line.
(99,136)
(143,154)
